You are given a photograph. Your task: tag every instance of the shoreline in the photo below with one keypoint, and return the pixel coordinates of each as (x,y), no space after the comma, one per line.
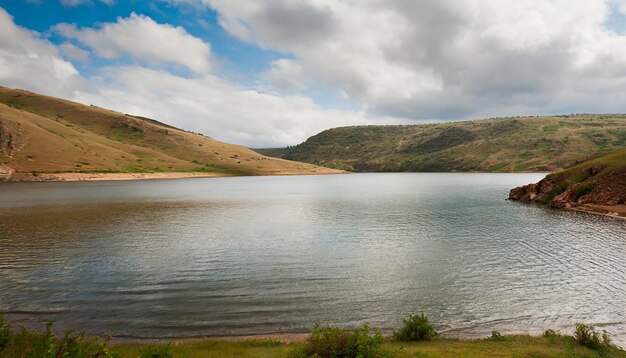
(612,211)
(460,334)
(282,337)
(78,177)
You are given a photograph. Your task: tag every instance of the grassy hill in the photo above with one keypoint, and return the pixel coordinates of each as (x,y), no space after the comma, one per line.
(493,145)
(41,134)
(272,152)
(597,185)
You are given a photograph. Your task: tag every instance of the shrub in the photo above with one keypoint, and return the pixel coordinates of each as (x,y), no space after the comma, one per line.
(579,191)
(497,336)
(416,328)
(331,342)
(158,351)
(5,333)
(25,343)
(548,333)
(557,190)
(76,345)
(589,337)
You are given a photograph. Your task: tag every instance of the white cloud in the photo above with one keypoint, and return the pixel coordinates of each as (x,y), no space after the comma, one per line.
(27,61)
(74,52)
(205,103)
(144,39)
(285,74)
(444,58)
(432,59)
(216,107)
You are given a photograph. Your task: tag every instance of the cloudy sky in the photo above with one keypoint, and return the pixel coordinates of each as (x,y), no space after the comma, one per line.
(273,72)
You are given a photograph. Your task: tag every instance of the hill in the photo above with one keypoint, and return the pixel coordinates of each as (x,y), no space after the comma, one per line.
(597,185)
(41,135)
(493,145)
(272,152)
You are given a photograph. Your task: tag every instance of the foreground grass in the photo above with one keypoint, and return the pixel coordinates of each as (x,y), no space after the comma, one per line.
(417,338)
(212,348)
(508,346)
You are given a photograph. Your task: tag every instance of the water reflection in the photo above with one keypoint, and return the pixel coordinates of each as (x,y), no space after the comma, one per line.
(251,255)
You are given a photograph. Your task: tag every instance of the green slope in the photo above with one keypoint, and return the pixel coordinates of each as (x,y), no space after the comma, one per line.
(492,145)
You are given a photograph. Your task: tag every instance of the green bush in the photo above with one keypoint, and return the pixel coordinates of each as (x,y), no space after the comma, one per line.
(497,336)
(557,190)
(335,342)
(159,351)
(416,328)
(5,333)
(589,337)
(579,191)
(549,333)
(25,343)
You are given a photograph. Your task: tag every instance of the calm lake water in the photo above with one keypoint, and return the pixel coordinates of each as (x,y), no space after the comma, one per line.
(194,257)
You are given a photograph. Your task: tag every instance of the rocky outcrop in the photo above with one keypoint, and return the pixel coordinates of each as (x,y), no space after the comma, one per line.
(593,189)
(532,192)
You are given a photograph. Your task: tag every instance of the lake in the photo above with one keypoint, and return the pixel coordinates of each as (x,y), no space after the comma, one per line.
(248,255)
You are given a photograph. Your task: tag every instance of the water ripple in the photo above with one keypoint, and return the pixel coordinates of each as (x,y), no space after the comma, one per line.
(254,255)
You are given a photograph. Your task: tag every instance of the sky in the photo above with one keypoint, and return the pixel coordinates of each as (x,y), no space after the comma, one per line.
(268,73)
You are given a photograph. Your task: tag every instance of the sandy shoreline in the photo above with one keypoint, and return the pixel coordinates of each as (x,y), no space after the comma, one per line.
(75,177)
(276,337)
(612,211)
(296,337)
(287,338)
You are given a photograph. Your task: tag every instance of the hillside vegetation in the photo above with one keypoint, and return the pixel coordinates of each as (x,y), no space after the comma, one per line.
(597,185)
(41,134)
(523,144)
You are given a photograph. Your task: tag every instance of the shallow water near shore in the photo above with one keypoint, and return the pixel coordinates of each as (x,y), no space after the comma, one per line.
(254,255)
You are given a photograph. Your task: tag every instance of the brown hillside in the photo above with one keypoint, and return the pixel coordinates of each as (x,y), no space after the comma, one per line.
(41,134)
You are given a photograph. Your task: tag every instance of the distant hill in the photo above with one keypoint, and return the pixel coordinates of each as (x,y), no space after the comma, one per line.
(272,152)
(41,134)
(597,185)
(493,145)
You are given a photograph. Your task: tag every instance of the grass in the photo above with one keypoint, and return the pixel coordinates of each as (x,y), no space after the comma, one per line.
(323,342)
(497,167)
(508,346)
(213,349)
(126,134)
(551,128)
